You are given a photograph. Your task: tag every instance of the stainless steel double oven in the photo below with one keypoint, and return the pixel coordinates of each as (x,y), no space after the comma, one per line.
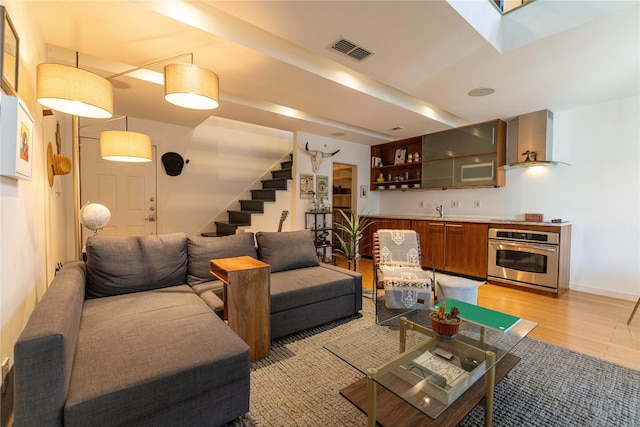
(524,258)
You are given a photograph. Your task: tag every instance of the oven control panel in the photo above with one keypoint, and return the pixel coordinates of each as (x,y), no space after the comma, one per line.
(525,236)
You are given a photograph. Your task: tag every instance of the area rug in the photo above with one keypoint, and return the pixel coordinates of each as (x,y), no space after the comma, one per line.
(299,384)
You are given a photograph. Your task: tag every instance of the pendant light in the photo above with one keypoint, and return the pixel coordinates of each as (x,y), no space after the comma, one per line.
(74,91)
(125,146)
(191,86)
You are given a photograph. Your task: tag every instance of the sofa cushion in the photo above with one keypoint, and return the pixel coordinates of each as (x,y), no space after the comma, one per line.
(120,265)
(201,250)
(304,286)
(141,353)
(287,250)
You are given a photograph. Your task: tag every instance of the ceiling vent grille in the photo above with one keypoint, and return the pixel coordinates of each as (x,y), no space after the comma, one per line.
(351,49)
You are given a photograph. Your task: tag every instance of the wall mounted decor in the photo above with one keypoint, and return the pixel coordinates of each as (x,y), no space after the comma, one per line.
(16,138)
(173,163)
(57,163)
(322,185)
(364,192)
(10,59)
(317,156)
(306,186)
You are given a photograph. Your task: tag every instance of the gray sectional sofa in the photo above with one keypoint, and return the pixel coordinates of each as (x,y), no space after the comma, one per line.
(133,336)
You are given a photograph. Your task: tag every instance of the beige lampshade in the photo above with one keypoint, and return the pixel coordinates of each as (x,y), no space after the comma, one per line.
(74,91)
(191,86)
(125,146)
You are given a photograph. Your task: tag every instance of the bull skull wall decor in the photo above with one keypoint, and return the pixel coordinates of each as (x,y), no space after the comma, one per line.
(317,156)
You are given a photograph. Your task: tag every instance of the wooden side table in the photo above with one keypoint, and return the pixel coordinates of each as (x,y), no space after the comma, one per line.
(247,300)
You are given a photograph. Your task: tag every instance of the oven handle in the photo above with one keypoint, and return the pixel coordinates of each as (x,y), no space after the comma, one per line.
(525,245)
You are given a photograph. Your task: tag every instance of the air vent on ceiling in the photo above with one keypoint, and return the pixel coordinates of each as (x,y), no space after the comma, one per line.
(351,49)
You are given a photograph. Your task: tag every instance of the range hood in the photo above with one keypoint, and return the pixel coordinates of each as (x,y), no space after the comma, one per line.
(530,140)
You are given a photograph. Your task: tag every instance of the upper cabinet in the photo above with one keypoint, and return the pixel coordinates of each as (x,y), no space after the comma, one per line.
(469,156)
(397,164)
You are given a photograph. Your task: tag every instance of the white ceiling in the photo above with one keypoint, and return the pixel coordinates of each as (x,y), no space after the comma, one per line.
(276,68)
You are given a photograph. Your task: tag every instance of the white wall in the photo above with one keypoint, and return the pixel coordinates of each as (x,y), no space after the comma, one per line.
(223,160)
(599,193)
(350,153)
(32,215)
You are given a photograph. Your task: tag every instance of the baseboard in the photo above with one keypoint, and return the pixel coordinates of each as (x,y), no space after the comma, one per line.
(603,292)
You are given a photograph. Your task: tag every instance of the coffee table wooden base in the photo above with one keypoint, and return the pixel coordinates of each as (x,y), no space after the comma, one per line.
(393,412)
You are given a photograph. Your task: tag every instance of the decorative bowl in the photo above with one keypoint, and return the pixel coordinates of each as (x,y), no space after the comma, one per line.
(442,328)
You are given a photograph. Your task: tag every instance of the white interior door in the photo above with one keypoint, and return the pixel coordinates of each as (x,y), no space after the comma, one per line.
(127,189)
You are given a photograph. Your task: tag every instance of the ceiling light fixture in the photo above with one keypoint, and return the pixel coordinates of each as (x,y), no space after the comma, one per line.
(123,145)
(74,91)
(191,86)
(186,84)
(481,91)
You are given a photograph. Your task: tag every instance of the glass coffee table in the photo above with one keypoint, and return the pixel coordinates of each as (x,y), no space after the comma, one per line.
(427,372)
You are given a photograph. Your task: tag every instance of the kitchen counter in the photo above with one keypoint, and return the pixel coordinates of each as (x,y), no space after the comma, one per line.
(480,220)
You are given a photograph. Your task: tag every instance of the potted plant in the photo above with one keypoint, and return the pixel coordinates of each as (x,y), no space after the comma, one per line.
(445,324)
(351,229)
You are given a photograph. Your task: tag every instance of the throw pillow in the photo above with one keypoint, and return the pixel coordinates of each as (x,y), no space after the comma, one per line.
(287,250)
(121,265)
(201,250)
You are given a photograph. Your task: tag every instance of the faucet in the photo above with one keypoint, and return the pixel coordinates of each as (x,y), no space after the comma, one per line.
(440,210)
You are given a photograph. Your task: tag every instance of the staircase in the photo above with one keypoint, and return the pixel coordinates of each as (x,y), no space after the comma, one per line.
(267,193)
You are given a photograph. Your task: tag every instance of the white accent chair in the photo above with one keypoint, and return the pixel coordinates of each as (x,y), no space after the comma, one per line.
(397,269)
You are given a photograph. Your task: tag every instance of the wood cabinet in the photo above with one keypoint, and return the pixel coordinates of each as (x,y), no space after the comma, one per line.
(468,156)
(456,247)
(465,157)
(393,165)
(366,244)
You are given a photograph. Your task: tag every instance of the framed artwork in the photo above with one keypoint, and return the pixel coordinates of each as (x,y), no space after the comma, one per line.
(306,186)
(16,137)
(364,192)
(9,61)
(401,156)
(322,186)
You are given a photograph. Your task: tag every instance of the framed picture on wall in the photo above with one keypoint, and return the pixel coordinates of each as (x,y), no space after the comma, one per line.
(16,137)
(364,191)
(401,156)
(306,186)
(322,185)
(9,61)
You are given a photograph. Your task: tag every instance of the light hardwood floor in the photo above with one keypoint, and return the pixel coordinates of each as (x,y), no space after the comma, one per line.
(583,322)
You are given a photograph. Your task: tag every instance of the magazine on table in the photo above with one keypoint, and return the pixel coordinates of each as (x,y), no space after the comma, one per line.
(437,365)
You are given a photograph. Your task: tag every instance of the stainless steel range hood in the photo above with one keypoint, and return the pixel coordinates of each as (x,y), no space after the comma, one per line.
(530,140)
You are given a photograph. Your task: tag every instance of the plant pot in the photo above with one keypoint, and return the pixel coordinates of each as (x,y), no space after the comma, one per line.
(443,329)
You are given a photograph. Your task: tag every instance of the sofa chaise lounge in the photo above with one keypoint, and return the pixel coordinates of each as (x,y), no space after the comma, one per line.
(133,336)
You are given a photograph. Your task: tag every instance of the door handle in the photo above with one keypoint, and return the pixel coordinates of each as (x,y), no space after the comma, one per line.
(150,218)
